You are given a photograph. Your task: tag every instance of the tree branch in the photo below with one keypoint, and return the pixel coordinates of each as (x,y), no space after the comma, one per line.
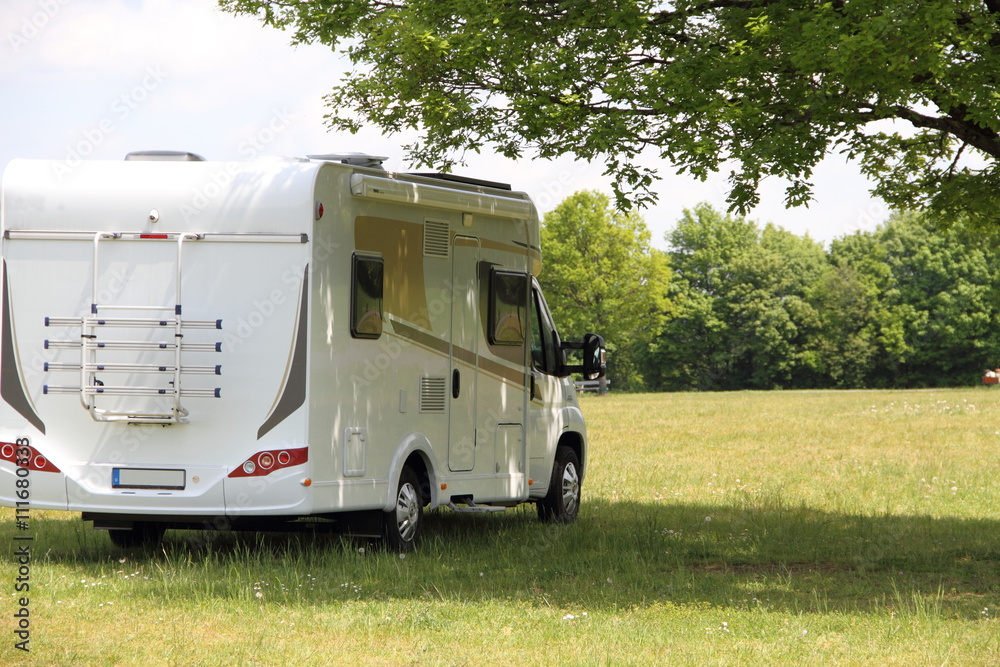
(977,137)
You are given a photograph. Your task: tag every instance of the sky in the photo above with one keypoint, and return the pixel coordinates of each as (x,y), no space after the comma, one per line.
(95,79)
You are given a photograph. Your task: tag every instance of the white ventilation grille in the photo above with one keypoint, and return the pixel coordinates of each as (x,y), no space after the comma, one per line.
(432,394)
(436,238)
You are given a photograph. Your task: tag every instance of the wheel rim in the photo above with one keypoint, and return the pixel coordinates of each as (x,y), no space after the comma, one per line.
(407,511)
(570,488)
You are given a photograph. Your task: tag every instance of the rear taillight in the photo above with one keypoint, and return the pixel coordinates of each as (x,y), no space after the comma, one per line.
(26,456)
(268,461)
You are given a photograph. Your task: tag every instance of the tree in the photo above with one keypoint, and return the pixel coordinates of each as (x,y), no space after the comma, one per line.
(742,320)
(909,305)
(600,274)
(771,85)
(941,301)
(847,344)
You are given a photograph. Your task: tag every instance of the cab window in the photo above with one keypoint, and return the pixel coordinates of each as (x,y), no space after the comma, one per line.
(543,335)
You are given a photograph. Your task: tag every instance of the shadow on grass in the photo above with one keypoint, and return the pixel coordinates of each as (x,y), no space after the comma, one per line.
(750,554)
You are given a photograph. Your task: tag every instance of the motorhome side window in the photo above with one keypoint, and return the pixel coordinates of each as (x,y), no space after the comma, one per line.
(543,354)
(366,296)
(508,310)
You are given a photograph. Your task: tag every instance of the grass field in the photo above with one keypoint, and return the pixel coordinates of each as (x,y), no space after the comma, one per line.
(716,529)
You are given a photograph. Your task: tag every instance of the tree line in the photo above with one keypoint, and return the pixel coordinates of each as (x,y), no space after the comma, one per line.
(732,304)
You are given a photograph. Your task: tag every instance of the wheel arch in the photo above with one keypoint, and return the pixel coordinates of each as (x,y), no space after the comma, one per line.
(575,441)
(416,452)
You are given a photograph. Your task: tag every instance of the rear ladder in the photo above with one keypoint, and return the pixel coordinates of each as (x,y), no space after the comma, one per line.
(94,347)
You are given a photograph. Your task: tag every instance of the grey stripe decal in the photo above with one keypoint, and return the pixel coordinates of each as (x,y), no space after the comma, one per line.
(293,394)
(11,387)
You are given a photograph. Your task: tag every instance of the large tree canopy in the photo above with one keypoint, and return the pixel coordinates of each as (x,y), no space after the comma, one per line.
(771,85)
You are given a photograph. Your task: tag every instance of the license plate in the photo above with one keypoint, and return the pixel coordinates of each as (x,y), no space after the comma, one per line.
(148,478)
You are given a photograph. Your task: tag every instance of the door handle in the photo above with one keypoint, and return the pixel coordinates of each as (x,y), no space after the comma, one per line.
(456,383)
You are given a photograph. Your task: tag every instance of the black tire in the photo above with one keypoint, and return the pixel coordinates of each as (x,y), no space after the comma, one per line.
(143,535)
(401,525)
(562,502)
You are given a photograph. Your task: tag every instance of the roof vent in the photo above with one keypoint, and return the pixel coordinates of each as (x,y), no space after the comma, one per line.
(355,159)
(165,156)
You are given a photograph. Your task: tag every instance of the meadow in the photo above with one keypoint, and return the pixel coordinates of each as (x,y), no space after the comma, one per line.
(786,528)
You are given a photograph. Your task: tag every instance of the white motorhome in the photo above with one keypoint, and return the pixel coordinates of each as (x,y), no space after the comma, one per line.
(197,344)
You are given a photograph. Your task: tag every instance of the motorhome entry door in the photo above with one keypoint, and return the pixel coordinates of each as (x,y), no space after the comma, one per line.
(464,374)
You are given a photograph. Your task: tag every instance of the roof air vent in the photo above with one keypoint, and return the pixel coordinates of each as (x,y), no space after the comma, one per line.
(166,156)
(355,159)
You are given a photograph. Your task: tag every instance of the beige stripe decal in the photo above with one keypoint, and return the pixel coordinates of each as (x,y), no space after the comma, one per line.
(512,375)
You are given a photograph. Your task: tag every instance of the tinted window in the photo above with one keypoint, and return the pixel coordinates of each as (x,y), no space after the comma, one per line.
(508,311)
(366,297)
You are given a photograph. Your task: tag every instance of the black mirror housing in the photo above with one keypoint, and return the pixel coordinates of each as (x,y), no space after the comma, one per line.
(595,363)
(595,357)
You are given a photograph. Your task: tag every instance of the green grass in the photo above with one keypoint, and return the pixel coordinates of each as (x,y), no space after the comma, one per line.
(717,529)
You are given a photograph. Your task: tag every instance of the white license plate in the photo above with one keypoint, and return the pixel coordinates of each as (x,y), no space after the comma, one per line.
(147,478)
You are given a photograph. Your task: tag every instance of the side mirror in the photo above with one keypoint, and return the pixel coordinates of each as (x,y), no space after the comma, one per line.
(595,357)
(595,363)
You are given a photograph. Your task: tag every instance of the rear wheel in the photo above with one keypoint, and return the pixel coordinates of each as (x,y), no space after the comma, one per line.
(562,502)
(401,525)
(143,535)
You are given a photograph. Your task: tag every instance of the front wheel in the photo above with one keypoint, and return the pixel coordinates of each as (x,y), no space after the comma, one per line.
(401,525)
(562,502)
